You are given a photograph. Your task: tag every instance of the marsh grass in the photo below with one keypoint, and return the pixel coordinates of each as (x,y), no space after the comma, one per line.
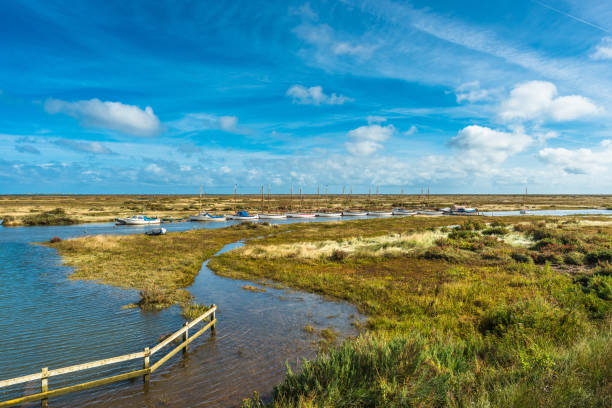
(158,267)
(469,320)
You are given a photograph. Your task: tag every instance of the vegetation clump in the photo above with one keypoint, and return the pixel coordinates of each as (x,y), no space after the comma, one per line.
(57,216)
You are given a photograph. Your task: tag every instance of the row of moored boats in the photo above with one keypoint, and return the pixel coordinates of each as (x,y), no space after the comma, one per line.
(246,216)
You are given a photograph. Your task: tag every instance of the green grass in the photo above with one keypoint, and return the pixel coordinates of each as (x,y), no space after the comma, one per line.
(461,323)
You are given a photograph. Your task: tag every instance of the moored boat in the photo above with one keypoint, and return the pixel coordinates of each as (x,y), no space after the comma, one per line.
(242,216)
(402,211)
(156,231)
(207,217)
(354,213)
(329,214)
(140,219)
(300,215)
(429,212)
(380,213)
(272,216)
(460,210)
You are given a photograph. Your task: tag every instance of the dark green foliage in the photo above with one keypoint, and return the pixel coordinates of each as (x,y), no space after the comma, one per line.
(53,217)
(599,255)
(495,231)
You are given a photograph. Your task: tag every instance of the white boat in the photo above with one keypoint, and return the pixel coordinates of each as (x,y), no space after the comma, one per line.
(156,231)
(354,213)
(272,216)
(207,217)
(137,220)
(300,215)
(429,212)
(242,216)
(401,211)
(329,214)
(380,213)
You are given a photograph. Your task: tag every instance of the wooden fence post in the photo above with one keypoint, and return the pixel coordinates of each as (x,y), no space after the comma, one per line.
(186,336)
(44,386)
(213,316)
(147,356)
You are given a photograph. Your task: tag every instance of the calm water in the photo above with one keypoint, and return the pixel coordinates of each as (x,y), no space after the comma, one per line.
(48,320)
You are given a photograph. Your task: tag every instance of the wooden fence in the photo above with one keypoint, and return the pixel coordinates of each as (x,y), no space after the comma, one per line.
(146,370)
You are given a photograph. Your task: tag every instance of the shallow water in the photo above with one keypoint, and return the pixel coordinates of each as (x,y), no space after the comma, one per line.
(47,320)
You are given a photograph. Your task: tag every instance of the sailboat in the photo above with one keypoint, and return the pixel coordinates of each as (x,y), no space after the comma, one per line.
(353,212)
(205,216)
(269,216)
(241,215)
(300,214)
(378,213)
(328,213)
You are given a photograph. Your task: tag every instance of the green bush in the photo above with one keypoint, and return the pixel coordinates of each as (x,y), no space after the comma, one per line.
(599,255)
(574,258)
(495,231)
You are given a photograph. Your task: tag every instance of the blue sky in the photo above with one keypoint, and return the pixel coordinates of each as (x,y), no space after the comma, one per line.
(160,97)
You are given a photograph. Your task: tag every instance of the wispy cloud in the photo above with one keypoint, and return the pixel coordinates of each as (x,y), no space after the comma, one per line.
(603,51)
(85,147)
(193,122)
(314,95)
(128,119)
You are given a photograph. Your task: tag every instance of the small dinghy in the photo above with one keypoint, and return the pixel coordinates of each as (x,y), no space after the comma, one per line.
(156,231)
(300,215)
(207,217)
(380,213)
(272,216)
(354,213)
(329,214)
(137,220)
(242,216)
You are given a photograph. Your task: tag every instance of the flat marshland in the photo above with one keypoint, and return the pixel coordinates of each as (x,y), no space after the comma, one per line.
(479,311)
(68,209)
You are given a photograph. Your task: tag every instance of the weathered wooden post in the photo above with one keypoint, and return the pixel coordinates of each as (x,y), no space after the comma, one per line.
(186,336)
(147,357)
(44,386)
(213,330)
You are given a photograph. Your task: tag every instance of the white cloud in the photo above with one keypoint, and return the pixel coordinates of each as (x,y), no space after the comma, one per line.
(315,96)
(325,40)
(375,119)
(86,147)
(483,143)
(537,100)
(471,92)
(116,116)
(366,140)
(413,129)
(580,161)
(193,122)
(603,51)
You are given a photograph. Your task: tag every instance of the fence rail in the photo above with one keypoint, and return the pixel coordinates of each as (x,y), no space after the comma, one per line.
(147,369)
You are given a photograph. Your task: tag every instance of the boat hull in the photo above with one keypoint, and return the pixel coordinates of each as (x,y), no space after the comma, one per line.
(329,215)
(354,213)
(380,213)
(272,216)
(300,215)
(206,217)
(403,212)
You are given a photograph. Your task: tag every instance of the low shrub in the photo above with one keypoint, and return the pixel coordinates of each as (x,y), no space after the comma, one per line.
(495,231)
(574,258)
(338,255)
(53,217)
(521,257)
(599,255)
(55,239)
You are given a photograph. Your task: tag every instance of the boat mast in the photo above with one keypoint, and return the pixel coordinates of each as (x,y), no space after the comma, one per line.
(291,199)
(235,199)
(301,199)
(200,198)
(262,198)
